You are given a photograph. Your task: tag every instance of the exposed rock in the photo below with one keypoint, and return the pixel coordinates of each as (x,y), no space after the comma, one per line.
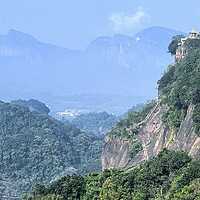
(186,139)
(116,153)
(154,136)
(180,53)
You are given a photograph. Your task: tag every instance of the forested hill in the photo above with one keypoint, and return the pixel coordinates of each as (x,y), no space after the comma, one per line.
(98,123)
(33,105)
(38,148)
(169,176)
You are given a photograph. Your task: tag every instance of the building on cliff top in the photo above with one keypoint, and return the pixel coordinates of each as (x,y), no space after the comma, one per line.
(181,50)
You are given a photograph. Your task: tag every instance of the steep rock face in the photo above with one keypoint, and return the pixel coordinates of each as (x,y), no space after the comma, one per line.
(116,153)
(186,139)
(154,136)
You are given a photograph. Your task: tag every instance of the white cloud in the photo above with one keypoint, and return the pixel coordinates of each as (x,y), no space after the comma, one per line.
(121,21)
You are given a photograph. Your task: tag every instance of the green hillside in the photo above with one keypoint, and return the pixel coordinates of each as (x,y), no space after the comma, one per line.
(169,176)
(37,148)
(98,123)
(179,88)
(33,104)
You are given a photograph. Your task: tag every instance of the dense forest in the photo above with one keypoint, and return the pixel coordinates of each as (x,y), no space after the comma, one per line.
(170,175)
(33,104)
(101,122)
(38,148)
(180,88)
(98,123)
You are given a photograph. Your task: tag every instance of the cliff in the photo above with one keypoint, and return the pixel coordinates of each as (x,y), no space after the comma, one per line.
(173,123)
(116,153)
(154,136)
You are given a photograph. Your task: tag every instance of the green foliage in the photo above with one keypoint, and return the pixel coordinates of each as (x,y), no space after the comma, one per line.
(136,147)
(192,44)
(136,108)
(95,122)
(108,191)
(196,118)
(33,104)
(89,147)
(174,44)
(190,192)
(39,148)
(39,190)
(180,88)
(126,128)
(170,175)
(186,185)
(70,187)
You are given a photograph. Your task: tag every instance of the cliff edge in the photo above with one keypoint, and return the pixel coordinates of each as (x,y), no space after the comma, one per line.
(154,136)
(173,123)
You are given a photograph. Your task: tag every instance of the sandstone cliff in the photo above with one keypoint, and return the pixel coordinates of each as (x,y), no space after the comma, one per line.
(154,136)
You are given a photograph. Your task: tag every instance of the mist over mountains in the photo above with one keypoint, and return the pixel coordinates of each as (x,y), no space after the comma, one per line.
(119,65)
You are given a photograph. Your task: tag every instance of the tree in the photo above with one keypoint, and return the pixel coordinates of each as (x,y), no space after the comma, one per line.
(39,190)
(108,191)
(174,44)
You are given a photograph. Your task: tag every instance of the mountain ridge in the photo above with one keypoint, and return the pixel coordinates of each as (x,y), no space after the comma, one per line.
(106,63)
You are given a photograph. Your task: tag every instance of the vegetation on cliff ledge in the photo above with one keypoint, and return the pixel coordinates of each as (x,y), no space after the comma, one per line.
(180,88)
(188,44)
(127,128)
(169,176)
(174,44)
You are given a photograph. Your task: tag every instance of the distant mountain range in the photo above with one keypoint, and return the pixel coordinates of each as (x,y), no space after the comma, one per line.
(113,65)
(118,65)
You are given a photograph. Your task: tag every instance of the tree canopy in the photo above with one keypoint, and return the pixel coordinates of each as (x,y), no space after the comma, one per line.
(38,148)
(170,175)
(180,87)
(174,44)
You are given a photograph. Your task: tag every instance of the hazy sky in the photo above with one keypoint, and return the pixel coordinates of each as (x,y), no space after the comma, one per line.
(75,23)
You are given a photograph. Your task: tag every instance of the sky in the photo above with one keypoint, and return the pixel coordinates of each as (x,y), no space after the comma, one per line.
(75,23)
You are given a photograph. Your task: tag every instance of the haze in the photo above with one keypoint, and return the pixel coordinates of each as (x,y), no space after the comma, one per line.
(75,23)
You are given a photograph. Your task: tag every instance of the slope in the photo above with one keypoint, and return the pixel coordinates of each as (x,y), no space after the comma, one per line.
(37,148)
(170,175)
(172,123)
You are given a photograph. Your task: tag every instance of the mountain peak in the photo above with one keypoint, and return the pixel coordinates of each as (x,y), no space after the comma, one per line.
(17,35)
(157,33)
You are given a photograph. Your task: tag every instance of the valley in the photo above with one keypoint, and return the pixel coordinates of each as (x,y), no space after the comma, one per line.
(144,153)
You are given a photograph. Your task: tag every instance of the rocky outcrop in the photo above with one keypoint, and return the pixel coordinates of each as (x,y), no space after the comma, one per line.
(116,153)
(180,53)
(154,136)
(186,139)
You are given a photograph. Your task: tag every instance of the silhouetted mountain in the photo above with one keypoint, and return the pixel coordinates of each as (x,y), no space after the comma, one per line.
(109,65)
